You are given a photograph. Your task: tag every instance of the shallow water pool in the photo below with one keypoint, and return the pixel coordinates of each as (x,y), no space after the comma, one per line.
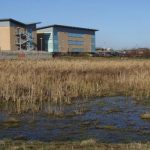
(110,120)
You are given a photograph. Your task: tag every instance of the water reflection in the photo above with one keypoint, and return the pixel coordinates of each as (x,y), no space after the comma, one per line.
(112,119)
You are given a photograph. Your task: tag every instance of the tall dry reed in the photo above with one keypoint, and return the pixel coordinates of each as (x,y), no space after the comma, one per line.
(27,82)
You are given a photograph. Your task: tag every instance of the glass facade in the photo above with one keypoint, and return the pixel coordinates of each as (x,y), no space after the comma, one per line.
(46,41)
(65,40)
(77,50)
(72,42)
(55,41)
(31,38)
(75,35)
(75,42)
(93,43)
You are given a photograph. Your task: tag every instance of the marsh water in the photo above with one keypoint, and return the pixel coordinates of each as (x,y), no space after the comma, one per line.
(110,120)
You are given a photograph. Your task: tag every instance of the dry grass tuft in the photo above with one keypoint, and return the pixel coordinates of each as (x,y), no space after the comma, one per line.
(88,142)
(145,116)
(35,145)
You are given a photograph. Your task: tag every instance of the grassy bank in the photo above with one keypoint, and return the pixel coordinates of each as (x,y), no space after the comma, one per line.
(83,145)
(27,82)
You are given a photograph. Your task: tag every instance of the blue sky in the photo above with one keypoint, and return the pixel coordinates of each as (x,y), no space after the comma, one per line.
(121,23)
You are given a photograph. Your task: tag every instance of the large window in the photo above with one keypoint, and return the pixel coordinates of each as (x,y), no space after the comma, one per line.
(75,35)
(77,50)
(55,40)
(93,43)
(72,42)
(46,40)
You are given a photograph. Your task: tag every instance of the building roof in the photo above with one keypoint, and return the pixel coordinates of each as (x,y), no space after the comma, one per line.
(64,26)
(17,22)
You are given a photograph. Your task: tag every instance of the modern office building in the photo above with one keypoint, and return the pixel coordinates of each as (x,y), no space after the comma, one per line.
(60,38)
(15,35)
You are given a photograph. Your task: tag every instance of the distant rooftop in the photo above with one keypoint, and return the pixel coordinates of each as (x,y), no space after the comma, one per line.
(18,22)
(64,26)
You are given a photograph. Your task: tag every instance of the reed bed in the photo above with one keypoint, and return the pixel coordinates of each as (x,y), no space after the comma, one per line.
(26,83)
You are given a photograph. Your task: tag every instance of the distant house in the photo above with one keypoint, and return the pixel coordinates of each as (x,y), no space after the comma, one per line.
(15,35)
(106,52)
(139,52)
(60,38)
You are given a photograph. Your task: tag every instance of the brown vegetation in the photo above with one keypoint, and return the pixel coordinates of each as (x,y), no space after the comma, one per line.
(146,116)
(83,145)
(27,82)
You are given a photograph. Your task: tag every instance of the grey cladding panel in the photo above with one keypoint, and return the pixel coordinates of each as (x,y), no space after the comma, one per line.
(5,24)
(79,31)
(31,26)
(46,30)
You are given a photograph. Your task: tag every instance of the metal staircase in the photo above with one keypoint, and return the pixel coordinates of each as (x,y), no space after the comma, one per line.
(24,40)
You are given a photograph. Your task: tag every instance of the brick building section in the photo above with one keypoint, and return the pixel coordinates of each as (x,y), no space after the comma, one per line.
(9,37)
(63,39)
(87,43)
(65,47)
(63,42)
